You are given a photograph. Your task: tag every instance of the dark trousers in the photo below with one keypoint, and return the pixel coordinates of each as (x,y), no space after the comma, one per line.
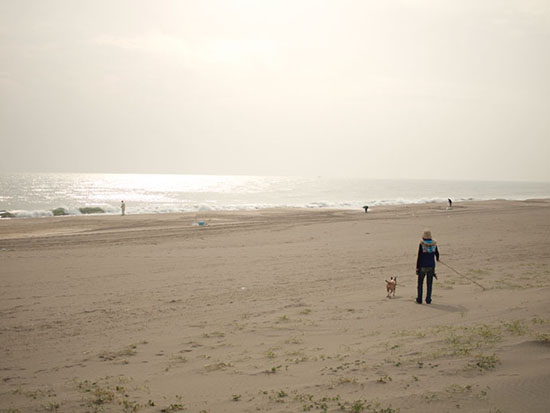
(427,272)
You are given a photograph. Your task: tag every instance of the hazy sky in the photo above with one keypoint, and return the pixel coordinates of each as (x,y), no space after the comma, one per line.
(379,89)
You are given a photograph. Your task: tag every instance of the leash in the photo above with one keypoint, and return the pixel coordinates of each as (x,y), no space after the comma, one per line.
(463,276)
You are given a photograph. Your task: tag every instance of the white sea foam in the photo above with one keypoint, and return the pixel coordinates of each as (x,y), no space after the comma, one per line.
(32,213)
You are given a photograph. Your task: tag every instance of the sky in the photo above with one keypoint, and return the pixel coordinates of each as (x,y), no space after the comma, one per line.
(426,89)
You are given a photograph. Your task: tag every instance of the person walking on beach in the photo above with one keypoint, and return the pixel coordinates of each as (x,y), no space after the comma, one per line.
(450,203)
(123,207)
(425,265)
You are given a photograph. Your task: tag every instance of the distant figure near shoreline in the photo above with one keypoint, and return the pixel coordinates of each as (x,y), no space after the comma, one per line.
(123,207)
(366,208)
(450,203)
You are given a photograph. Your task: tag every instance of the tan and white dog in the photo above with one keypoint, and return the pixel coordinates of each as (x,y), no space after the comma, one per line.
(390,286)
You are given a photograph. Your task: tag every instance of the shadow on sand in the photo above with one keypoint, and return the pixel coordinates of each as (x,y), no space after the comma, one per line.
(448,308)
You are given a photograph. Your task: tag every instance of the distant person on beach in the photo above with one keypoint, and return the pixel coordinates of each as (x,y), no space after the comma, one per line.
(123,207)
(366,208)
(450,203)
(425,265)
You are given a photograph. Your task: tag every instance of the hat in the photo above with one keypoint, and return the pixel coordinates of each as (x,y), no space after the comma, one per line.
(427,234)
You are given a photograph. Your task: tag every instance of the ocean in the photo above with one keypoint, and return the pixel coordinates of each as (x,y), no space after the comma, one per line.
(27,195)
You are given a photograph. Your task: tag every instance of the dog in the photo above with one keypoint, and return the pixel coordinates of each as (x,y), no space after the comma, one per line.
(390,286)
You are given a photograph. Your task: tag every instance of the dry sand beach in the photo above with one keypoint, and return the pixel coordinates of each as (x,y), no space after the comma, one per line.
(277,310)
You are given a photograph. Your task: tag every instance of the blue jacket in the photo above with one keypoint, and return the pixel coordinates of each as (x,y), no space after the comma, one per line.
(427,253)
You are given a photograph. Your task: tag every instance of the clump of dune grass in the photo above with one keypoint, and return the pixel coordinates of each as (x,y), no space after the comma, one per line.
(516,327)
(485,362)
(173,407)
(336,403)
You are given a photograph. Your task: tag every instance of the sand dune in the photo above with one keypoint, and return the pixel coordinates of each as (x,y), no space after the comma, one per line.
(277,310)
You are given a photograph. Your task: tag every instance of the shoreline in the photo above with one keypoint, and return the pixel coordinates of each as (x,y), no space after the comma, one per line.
(63,212)
(274,310)
(72,224)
